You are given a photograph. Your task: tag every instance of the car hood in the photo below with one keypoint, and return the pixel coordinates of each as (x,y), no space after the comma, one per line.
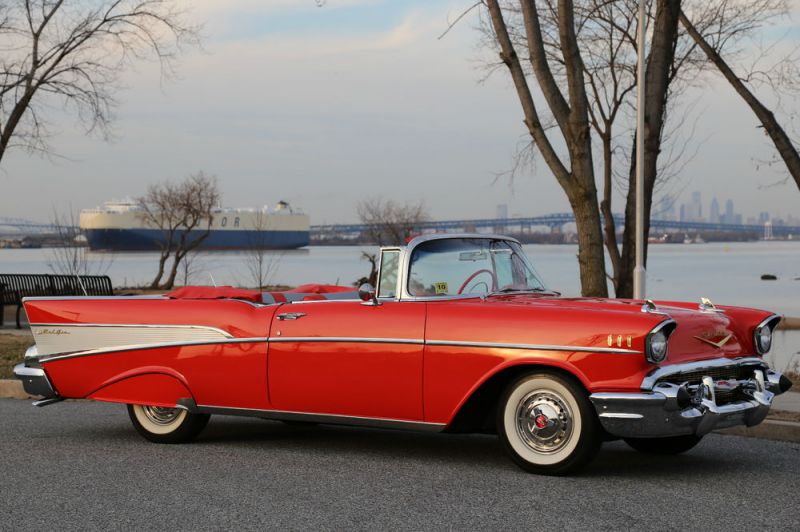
(700,334)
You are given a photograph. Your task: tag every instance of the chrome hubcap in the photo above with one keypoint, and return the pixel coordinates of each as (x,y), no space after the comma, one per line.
(160,415)
(544,421)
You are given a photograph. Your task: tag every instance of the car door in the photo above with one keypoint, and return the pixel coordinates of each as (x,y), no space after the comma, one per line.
(348,358)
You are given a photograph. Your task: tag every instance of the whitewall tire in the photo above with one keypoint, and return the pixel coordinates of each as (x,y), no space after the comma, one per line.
(166,425)
(547,424)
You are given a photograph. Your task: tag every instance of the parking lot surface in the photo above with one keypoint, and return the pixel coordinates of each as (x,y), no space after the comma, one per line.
(80,465)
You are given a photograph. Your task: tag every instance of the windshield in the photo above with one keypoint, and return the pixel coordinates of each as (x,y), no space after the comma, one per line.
(477,266)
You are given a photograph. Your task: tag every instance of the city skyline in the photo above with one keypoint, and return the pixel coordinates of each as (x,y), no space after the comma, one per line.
(324,107)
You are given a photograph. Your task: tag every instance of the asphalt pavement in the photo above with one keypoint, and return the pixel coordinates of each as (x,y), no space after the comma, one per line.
(80,465)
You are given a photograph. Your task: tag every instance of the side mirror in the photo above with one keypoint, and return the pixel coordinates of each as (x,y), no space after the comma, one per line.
(367,294)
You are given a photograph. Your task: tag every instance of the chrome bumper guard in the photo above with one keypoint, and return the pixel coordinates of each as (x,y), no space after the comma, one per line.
(673,410)
(35,381)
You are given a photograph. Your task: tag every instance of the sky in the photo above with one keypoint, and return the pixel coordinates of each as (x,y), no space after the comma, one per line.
(325,107)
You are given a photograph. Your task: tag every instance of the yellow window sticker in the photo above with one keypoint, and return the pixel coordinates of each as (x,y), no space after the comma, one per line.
(441,288)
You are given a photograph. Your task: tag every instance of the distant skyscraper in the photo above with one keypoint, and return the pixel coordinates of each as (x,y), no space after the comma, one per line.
(763,217)
(683,213)
(666,207)
(713,215)
(730,217)
(695,213)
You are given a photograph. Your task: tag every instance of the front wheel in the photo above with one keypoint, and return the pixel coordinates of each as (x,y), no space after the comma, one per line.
(670,445)
(166,425)
(547,424)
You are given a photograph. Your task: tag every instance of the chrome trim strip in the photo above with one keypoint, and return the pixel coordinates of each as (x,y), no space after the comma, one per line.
(85,298)
(332,339)
(135,326)
(768,320)
(534,347)
(123,348)
(650,380)
(344,339)
(620,415)
(337,419)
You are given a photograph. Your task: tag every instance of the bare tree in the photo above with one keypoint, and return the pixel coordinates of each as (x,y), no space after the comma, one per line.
(261,261)
(388,223)
(783,143)
(71,256)
(605,37)
(184,214)
(73,54)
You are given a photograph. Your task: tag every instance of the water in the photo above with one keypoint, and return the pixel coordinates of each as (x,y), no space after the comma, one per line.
(727,273)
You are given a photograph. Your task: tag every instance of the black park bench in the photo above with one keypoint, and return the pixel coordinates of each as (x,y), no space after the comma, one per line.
(16,286)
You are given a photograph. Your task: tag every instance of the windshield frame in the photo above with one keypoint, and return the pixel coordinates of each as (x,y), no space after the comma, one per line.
(405,266)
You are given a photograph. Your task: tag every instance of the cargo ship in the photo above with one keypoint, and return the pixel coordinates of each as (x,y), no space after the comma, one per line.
(121,226)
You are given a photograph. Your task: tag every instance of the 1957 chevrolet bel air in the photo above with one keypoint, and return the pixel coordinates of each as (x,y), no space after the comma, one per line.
(460,335)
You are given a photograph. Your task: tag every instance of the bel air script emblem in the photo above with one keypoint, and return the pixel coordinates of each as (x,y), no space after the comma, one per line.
(721,337)
(53,332)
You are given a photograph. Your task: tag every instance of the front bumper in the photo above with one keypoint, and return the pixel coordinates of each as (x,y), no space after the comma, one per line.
(672,409)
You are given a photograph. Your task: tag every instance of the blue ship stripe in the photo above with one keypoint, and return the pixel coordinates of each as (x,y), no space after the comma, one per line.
(151,239)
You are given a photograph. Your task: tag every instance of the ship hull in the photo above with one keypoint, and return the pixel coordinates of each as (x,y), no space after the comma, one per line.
(143,239)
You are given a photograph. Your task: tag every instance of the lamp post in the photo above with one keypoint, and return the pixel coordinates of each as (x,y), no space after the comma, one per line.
(639,273)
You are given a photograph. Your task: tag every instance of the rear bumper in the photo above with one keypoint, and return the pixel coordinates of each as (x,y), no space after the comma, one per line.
(670,409)
(35,381)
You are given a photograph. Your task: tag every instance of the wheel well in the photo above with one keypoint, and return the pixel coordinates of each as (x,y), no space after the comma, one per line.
(477,414)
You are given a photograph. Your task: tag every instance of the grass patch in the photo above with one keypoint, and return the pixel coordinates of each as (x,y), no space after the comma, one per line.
(12,351)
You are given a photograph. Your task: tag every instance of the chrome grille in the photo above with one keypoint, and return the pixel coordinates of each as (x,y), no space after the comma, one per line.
(723,396)
(721,373)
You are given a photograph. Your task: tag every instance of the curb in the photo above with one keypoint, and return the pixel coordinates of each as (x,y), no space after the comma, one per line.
(12,389)
(769,429)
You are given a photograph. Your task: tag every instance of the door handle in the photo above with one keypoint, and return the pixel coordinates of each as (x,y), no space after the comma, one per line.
(291,316)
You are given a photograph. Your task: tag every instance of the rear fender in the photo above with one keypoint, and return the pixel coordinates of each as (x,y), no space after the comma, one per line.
(144,386)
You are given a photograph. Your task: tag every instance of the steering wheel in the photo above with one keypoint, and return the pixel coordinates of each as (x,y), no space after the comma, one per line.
(474,275)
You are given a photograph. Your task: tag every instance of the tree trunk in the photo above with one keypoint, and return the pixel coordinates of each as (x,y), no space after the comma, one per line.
(161,263)
(590,244)
(776,133)
(173,273)
(610,236)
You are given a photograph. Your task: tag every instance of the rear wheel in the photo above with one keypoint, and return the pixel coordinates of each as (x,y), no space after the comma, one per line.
(547,424)
(166,425)
(671,445)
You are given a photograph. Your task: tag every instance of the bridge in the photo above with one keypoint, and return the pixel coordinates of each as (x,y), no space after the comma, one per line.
(24,227)
(555,222)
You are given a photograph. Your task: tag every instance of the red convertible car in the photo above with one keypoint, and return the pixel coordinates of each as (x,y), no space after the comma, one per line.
(460,335)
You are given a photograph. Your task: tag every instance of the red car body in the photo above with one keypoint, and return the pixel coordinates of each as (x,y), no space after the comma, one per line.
(428,362)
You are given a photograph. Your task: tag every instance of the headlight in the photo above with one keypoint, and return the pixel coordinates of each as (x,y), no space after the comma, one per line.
(762,335)
(763,339)
(656,343)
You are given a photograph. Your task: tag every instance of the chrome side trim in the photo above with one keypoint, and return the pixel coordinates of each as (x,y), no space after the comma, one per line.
(336,419)
(534,347)
(86,298)
(620,415)
(123,348)
(329,339)
(57,338)
(136,326)
(663,371)
(344,339)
